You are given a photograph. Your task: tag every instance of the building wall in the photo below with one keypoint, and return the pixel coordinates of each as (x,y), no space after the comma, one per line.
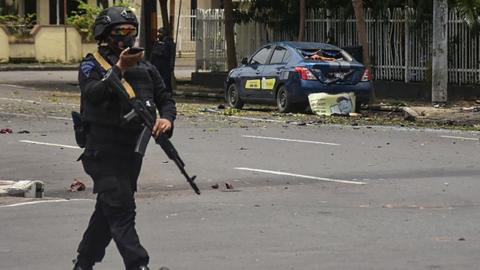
(22,50)
(4,45)
(50,44)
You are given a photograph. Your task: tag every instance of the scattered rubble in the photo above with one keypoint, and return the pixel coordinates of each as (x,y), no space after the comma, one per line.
(23,188)
(6,131)
(77,185)
(409,114)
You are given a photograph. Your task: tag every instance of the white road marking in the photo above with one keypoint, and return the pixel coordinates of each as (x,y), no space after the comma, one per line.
(45,201)
(289,140)
(50,144)
(256,119)
(302,176)
(460,138)
(59,118)
(13,85)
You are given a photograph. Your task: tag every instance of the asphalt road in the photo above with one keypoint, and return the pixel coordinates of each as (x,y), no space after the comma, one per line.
(305,197)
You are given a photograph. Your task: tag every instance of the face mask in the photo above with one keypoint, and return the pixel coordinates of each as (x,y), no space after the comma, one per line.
(120,43)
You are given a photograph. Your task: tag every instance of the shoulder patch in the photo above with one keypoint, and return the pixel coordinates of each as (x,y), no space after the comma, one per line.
(86,67)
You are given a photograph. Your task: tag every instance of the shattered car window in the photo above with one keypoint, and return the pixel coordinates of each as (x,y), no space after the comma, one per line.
(325,55)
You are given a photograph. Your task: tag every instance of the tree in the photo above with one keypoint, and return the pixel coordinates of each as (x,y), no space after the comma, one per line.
(470,11)
(301,22)
(279,15)
(164,11)
(361,30)
(230,34)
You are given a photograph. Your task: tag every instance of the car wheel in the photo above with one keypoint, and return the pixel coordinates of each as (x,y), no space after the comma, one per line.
(233,97)
(283,101)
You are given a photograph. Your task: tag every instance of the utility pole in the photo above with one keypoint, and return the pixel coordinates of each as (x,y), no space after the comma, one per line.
(65,14)
(440,52)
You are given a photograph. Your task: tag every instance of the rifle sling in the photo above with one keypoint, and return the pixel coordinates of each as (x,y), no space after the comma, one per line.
(105,65)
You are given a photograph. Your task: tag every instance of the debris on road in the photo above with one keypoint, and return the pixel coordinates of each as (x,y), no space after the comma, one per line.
(215,186)
(228,185)
(77,186)
(23,188)
(6,131)
(298,123)
(23,132)
(471,109)
(209,110)
(409,114)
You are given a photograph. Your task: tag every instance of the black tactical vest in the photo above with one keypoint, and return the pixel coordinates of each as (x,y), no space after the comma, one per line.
(107,129)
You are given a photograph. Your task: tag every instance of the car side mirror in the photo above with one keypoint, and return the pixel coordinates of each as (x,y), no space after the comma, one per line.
(244,61)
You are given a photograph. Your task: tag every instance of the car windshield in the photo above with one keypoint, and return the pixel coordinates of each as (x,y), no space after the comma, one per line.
(325,55)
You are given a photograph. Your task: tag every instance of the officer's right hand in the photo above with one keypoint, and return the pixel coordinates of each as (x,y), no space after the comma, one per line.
(127,60)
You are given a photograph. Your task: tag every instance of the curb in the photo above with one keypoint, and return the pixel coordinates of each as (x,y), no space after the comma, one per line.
(198,94)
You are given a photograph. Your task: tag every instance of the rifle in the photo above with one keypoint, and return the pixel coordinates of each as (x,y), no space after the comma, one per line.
(140,110)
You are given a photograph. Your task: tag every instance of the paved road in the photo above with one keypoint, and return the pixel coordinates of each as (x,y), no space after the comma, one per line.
(306,197)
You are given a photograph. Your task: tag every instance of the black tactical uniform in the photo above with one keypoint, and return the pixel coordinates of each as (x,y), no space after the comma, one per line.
(162,56)
(109,156)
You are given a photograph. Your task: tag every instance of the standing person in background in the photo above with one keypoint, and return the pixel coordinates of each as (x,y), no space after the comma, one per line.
(162,56)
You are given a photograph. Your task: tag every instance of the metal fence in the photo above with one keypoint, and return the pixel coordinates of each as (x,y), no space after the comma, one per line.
(210,40)
(400,46)
(186,33)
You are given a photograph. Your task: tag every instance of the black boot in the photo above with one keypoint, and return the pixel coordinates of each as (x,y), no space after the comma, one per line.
(79,266)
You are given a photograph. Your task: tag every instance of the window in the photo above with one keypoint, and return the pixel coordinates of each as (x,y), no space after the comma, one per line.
(287,57)
(260,57)
(278,55)
(56,8)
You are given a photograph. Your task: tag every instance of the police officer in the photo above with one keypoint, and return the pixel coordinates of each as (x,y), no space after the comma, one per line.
(162,56)
(109,156)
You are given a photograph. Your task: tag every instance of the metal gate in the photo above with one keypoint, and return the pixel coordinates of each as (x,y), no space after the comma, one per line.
(400,46)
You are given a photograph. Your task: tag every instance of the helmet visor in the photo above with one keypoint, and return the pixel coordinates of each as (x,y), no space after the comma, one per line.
(124,31)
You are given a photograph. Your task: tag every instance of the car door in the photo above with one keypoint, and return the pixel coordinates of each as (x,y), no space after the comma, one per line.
(272,73)
(250,77)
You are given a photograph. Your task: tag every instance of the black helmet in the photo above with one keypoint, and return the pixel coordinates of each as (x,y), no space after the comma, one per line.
(112,16)
(163,31)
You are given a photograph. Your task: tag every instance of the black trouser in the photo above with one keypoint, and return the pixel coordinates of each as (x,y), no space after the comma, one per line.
(166,74)
(114,215)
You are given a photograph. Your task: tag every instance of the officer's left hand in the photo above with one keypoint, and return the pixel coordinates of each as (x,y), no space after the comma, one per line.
(162,125)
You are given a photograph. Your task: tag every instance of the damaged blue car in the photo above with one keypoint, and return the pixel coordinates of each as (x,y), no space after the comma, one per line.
(286,73)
